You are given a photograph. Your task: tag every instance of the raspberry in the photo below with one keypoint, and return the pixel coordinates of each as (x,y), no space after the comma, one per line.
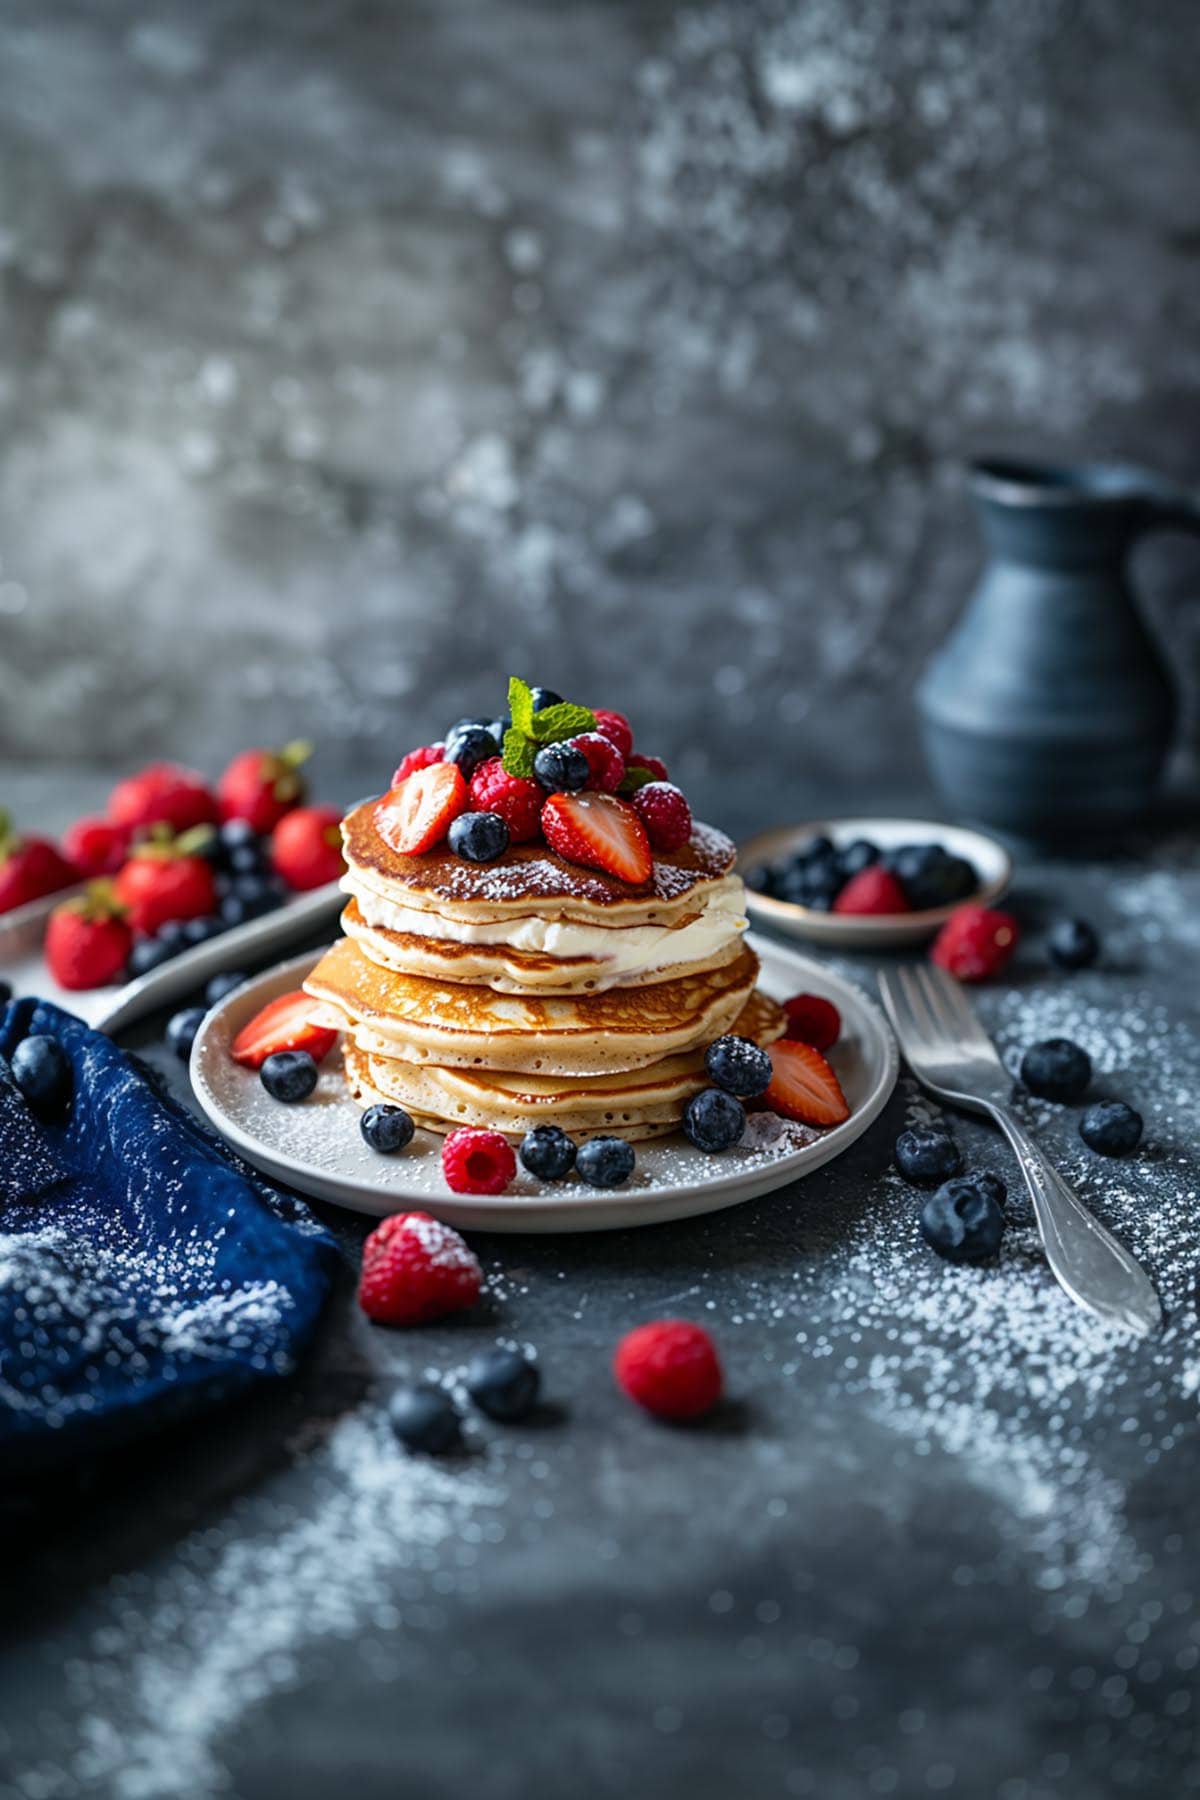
(872,891)
(665,814)
(813,1020)
(975,942)
(604,760)
(415,1269)
(670,1367)
(478,1162)
(418,759)
(616,728)
(517,801)
(657,768)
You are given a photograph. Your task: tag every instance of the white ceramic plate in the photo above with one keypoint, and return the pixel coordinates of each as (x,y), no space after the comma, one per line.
(317,1146)
(887,930)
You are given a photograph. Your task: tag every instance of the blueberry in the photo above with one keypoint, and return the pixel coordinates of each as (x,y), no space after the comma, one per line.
(817,849)
(247,859)
(234,911)
(182,1028)
(547,1152)
(6,992)
(478,836)
(220,985)
(738,1066)
(173,933)
(150,953)
(927,1155)
(235,834)
(605,1162)
(471,747)
(940,880)
(199,931)
(461,725)
(962,1221)
(248,898)
(424,1418)
(1072,944)
(42,1071)
(498,727)
(760,880)
(561,768)
(289,1075)
(503,1384)
(713,1120)
(544,697)
(386,1128)
(1056,1069)
(1111,1128)
(854,858)
(991,1184)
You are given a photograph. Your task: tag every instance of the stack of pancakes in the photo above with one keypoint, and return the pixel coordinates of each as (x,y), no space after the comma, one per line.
(532,990)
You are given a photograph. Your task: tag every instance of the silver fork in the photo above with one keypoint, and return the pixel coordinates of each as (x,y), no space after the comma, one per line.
(951,1055)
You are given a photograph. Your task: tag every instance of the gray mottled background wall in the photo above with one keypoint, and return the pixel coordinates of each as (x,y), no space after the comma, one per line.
(354,352)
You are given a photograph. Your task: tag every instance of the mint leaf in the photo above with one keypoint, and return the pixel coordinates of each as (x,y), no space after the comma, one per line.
(519,752)
(520,705)
(633,779)
(563,720)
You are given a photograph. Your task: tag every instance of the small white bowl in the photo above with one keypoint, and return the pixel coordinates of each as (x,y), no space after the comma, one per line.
(879,931)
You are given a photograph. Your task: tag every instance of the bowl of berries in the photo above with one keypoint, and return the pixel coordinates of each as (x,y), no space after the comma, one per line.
(869,884)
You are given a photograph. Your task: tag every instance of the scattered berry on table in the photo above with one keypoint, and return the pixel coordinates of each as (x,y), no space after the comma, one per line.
(991,1184)
(261,785)
(30,868)
(605,1162)
(1111,1128)
(1056,1069)
(424,1418)
(416,816)
(738,1065)
(42,1070)
(96,846)
(306,847)
(469,748)
(803,1086)
(1072,944)
(670,1368)
(477,1162)
(813,1020)
(561,768)
(282,1024)
(513,798)
(606,765)
(223,984)
(547,1152)
(503,1384)
(415,1269)
(962,1221)
(543,697)
(164,881)
(288,1075)
(163,794)
(616,728)
(975,942)
(479,836)
(665,814)
(927,1155)
(417,759)
(182,1028)
(654,766)
(600,832)
(386,1128)
(88,940)
(874,890)
(714,1120)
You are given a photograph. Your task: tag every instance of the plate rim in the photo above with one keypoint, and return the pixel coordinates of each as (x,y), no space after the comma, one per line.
(586,1209)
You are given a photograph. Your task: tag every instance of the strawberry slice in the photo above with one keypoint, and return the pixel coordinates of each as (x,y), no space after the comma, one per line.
(282,1025)
(803,1086)
(599,831)
(416,815)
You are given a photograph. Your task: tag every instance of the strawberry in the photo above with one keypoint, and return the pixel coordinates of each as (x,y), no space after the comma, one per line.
(665,814)
(616,728)
(418,759)
(97,846)
(416,816)
(517,800)
(306,847)
(599,831)
(30,868)
(871,891)
(283,1024)
(975,942)
(811,1019)
(803,1086)
(261,785)
(162,794)
(606,765)
(88,939)
(164,880)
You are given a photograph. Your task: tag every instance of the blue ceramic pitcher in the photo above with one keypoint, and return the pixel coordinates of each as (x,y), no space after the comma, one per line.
(1049,711)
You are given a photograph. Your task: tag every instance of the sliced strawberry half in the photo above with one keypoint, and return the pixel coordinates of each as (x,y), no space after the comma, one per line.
(284,1024)
(416,816)
(599,831)
(803,1086)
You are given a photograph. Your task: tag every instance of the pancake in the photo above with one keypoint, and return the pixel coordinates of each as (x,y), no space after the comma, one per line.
(417,1020)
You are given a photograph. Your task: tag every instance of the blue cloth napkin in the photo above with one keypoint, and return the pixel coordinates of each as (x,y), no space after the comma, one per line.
(145,1271)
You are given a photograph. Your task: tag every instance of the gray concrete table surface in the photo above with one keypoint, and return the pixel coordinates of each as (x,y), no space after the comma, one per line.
(939,1540)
